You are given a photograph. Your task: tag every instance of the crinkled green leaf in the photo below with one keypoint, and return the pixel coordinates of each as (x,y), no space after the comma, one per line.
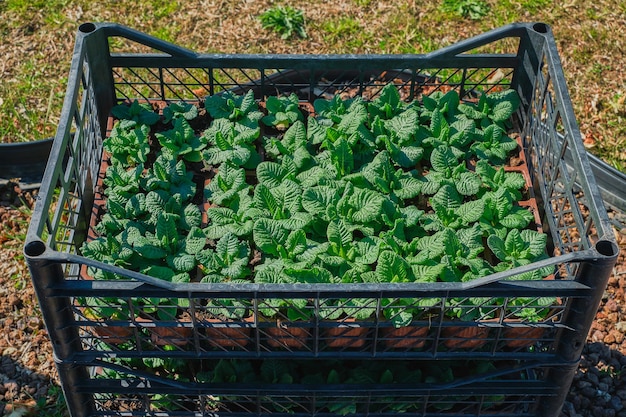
(315,200)
(188,111)
(471,211)
(468,183)
(536,242)
(393,268)
(408,186)
(503,104)
(194,241)
(342,158)
(269,236)
(442,159)
(161,272)
(339,237)
(181,262)
(404,126)
(141,113)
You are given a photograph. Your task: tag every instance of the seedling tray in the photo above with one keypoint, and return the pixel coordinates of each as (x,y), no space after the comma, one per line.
(582,249)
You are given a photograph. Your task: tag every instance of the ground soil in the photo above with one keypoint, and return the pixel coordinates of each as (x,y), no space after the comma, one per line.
(28,378)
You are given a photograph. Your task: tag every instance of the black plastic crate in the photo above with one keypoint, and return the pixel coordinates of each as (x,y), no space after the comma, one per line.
(522,57)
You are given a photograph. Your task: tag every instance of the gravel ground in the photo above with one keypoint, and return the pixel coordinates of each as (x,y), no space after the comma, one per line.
(28,380)
(599,387)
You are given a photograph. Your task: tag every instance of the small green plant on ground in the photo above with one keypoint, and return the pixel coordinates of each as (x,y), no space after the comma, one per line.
(286,21)
(472,9)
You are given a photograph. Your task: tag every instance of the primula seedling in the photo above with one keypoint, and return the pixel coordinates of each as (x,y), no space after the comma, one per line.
(226,186)
(230,142)
(187,111)
(283,111)
(495,178)
(170,175)
(292,144)
(500,214)
(181,141)
(228,262)
(455,135)
(493,108)
(128,143)
(387,104)
(518,248)
(450,211)
(140,113)
(447,170)
(493,144)
(236,108)
(237,219)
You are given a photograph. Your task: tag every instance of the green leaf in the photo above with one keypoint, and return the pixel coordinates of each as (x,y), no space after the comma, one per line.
(380,173)
(166,231)
(496,244)
(295,137)
(160,272)
(226,185)
(194,241)
(471,211)
(442,159)
(340,237)
(342,158)
(317,199)
(536,242)
(367,206)
(140,113)
(468,183)
(187,111)
(446,198)
(191,217)
(181,262)
(427,273)
(404,126)
(514,244)
(439,126)
(503,104)
(269,236)
(265,200)
(150,249)
(393,268)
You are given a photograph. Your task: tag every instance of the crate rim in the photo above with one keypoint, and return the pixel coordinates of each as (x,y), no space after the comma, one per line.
(605,249)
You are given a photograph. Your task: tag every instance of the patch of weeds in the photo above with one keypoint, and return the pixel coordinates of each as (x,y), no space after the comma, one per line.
(472,9)
(535,5)
(612,147)
(167,33)
(53,405)
(25,5)
(344,27)
(597,69)
(23,102)
(286,21)
(164,8)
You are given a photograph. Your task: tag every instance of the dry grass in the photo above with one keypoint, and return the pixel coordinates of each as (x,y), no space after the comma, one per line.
(37,40)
